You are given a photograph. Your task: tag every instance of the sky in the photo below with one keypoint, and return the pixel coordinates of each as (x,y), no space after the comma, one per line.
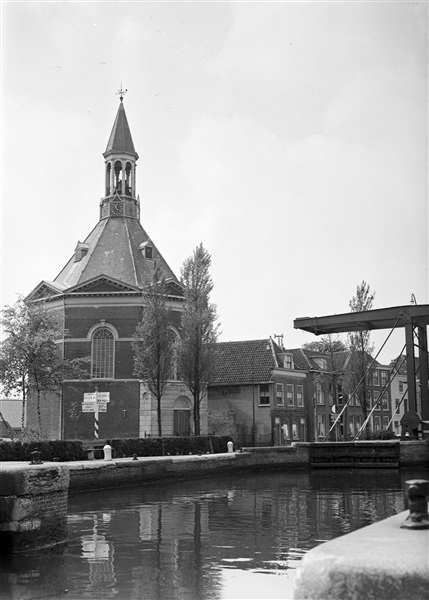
(290,138)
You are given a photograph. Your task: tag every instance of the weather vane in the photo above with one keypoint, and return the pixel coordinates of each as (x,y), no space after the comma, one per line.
(121,93)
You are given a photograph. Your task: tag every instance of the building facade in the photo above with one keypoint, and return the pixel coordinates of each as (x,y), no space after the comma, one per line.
(258,396)
(99,296)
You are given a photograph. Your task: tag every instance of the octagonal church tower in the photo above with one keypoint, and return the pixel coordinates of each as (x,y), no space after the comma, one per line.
(99,296)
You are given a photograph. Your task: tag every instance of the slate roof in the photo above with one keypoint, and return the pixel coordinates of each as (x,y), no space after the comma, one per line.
(113,251)
(120,139)
(250,361)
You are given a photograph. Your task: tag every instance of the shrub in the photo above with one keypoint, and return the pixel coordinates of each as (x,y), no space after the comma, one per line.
(64,451)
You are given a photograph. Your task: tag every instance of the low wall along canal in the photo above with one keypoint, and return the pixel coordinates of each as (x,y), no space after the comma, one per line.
(33,498)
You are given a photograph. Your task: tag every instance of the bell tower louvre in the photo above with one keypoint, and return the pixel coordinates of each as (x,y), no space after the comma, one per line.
(99,294)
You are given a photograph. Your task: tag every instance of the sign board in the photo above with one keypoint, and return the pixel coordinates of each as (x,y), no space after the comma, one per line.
(102,407)
(89,397)
(103,396)
(88,407)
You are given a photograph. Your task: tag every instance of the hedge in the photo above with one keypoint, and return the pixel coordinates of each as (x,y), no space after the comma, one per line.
(66,451)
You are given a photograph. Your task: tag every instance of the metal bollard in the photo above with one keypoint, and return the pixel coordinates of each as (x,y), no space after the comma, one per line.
(230,447)
(36,457)
(107,452)
(417,491)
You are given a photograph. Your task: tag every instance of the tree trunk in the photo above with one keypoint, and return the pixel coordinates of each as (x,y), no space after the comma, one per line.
(159,415)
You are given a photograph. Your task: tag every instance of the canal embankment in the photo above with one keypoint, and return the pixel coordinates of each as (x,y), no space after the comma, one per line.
(381,562)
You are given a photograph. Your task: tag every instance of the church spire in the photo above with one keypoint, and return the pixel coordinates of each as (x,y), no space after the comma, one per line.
(120,159)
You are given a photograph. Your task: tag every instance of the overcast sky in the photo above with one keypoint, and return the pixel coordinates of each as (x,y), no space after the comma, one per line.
(289,138)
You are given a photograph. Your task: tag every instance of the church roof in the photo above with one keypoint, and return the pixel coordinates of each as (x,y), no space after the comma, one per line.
(115,249)
(120,139)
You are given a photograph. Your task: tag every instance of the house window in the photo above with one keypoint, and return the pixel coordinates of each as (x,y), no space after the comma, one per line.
(319,394)
(148,252)
(375,379)
(357,400)
(321,425)
(401,386)
(287,363)
(405,405)
(351,401)
(385,422)
(384,402)
(300,396)
(294,428)
(358,425)
(280,400)
(375,396)
(102,354)
(396,403)
(383,378)
(264,394)
(290,398)
(377,423)
(351,425)
(285,428)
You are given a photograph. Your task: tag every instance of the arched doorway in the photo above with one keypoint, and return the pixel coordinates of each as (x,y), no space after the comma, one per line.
(182,417)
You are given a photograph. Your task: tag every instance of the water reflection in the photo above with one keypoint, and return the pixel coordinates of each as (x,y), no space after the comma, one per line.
(239,536)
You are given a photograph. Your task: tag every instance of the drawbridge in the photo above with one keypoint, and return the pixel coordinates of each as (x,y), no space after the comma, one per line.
(413,319)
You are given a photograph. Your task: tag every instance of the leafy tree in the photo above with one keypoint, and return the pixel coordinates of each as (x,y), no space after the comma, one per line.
(199,332)
(326,345)
(360,349)
(154,343)
(334,352)
(30,361)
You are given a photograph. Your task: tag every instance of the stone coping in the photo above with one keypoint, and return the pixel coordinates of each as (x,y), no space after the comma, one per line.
(380,561)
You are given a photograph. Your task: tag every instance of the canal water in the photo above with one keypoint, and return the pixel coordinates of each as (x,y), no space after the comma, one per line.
(230,537)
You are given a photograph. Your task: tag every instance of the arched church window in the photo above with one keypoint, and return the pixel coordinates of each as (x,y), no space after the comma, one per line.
(102,354)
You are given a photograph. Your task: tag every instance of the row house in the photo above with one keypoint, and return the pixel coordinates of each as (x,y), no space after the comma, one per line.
(258,396)
(332,415)
(380,402)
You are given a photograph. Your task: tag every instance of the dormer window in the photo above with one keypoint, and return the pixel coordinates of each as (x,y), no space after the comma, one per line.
(287,361)
(147,250)
(322,363)
(80,251)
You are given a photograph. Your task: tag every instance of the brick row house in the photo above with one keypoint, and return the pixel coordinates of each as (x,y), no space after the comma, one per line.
(98,295)
(258,396)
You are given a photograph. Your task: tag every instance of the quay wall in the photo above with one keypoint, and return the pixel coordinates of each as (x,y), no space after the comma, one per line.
(380,562)
(33,506)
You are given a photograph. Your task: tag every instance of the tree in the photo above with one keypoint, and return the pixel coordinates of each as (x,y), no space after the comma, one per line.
(326,345)
(30,361)
(199,332)
(154,342)
(360,349)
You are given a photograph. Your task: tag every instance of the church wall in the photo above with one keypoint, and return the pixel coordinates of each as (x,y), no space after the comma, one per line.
(121,419)
(80,319)
(50,408)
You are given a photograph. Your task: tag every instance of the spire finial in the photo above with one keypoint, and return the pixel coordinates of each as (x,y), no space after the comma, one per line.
(121,93)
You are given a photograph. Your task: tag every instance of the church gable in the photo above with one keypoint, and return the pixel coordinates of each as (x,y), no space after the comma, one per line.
(101,284)
(44,290)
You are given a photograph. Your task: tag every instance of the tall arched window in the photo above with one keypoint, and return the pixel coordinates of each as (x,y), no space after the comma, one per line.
(103,354)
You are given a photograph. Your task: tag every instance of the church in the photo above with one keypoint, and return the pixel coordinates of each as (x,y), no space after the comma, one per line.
(98,295)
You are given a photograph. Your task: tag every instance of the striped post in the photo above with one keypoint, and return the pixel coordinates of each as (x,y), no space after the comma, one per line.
(96,416)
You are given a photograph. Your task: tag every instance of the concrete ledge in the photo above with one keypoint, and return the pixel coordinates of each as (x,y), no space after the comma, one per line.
(378,562)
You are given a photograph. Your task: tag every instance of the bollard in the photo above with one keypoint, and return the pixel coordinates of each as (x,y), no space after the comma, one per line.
(417,493)
(230,447)
(107,452)
(36,457)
